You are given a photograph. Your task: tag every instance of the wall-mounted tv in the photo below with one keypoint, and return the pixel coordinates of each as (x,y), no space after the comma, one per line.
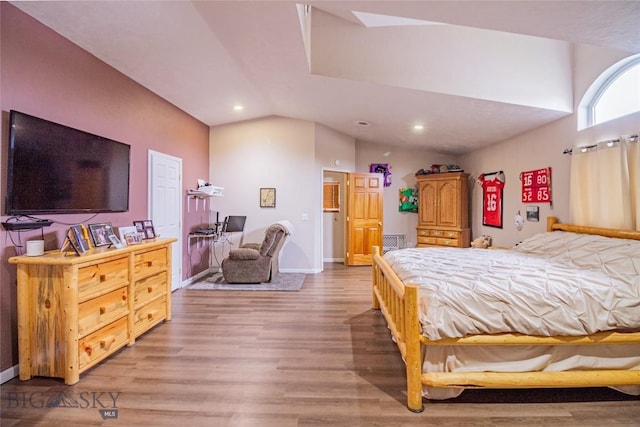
(55,169)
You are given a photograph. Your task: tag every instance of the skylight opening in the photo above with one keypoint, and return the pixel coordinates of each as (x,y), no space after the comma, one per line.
(378,20)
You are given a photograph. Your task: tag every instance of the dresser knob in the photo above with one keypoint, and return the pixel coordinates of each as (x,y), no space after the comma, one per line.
(107,342)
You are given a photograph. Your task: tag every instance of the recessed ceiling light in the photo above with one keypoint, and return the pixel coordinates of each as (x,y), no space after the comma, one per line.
(418,127)
(238,107)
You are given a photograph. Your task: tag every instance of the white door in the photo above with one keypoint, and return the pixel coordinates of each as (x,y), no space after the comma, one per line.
(165,206)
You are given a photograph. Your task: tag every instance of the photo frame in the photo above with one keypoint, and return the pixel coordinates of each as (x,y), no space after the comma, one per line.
(133,238)
(533,213)
(115,241)
(145,228)
(69,243)
(267,197)
(123,232)
(100,233)
(78,238)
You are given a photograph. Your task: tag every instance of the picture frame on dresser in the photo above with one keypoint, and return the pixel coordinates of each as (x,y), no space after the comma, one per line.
(145,228)
(100,233)
(115,241)
(77,239)
(128,234)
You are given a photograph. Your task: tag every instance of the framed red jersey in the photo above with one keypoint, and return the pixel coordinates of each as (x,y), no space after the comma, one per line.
(492,190)
(536,186)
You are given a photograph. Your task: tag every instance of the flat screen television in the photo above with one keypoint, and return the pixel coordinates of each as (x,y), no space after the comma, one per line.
(55,169)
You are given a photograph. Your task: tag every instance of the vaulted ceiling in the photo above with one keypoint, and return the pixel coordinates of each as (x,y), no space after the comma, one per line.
(471,73)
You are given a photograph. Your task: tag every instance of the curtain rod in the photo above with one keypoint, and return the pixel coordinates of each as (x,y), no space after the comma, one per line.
(569,151)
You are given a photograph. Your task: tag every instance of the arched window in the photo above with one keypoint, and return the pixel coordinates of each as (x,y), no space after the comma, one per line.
(615,93)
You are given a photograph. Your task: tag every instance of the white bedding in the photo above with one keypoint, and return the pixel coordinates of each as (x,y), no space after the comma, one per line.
(555,283)
(552,284)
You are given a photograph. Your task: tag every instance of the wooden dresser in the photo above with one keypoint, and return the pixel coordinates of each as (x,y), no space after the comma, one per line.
(443,210)
(75,311)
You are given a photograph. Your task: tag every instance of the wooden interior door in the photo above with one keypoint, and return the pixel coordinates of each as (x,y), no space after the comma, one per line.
(165,205)
(364,216)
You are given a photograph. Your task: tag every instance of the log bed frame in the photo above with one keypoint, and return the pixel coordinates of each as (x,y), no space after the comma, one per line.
(399,304)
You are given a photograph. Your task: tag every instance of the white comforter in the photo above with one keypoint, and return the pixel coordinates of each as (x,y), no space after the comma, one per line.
(554,283)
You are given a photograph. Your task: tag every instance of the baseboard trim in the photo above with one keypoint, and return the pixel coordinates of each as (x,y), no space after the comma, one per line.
(9,374)
(198,276)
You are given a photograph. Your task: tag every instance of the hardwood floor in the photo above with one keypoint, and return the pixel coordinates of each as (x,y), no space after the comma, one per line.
(318,357)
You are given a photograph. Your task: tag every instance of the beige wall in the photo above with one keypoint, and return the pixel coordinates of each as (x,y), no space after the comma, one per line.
(335,152)
(405,162)
(271,152)
(540,148)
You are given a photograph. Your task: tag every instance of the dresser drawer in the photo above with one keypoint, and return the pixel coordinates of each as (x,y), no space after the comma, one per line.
(427,240)
(447,242)
(149,315)
(149,289)
(99,279)
(423,233)
(149,263)
(98,312)
(451,234)
(100,344)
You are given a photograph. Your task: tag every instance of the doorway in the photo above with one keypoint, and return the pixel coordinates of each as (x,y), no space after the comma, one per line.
(349,232)
(333,220)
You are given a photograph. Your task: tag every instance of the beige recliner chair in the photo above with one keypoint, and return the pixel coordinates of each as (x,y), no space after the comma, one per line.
(256,262)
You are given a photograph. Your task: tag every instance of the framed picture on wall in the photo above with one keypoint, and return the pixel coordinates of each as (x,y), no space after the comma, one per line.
(492,188)
(267,197)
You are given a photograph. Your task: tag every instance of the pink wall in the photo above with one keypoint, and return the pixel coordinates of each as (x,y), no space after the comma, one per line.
(43,74)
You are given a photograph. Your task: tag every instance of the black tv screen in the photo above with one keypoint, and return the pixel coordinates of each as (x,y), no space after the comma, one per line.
(56,169)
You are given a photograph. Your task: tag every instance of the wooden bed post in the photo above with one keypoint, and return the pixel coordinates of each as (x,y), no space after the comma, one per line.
(413,354)
(375,271)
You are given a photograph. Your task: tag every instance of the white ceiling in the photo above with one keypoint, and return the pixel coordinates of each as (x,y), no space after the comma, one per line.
(498,68)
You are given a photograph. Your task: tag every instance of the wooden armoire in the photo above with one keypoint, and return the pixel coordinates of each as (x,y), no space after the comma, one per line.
(443,210)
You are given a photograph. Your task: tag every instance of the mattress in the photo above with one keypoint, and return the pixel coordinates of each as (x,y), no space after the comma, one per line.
(555,283)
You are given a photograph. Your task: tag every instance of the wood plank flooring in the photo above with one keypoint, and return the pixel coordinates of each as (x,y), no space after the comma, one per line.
(318,357)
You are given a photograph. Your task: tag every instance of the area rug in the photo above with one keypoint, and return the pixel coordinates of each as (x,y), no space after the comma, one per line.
(291,282)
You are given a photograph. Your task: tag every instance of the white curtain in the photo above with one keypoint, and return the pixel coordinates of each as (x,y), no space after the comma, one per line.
(605,184)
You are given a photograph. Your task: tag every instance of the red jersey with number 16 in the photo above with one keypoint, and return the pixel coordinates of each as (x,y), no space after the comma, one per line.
(492,203)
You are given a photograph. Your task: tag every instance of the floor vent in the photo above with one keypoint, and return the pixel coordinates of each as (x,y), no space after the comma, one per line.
(391,242)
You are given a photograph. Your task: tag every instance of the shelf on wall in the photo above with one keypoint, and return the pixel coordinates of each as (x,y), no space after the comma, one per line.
(26,225)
